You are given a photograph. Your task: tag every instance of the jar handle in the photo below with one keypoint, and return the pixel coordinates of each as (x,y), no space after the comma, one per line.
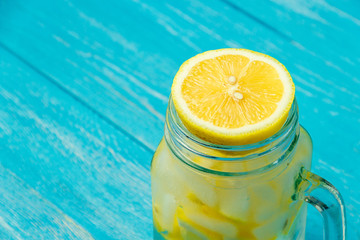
(328,201)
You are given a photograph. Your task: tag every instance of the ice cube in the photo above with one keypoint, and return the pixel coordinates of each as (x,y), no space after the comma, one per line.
(220,226)
(265,201)
(197,184)
(190,232)
(234,203)
(166,206)
(271,229)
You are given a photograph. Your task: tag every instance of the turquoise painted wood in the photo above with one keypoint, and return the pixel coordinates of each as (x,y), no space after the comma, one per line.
(65,172)
(84,88)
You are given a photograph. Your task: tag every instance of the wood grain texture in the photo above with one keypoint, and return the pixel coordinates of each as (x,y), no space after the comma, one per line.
(80,177)
(116,62)
(25,214)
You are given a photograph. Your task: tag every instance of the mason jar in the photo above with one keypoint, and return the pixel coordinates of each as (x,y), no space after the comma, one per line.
(257,191)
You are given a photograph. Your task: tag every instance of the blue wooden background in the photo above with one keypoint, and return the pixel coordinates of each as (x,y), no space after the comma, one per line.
(84,88)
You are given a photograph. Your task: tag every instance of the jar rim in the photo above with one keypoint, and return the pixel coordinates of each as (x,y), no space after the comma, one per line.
(181,136)
(183,132)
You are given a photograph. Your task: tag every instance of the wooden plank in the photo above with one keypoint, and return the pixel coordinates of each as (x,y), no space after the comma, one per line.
(71,160)
(25,214)
(102,44)
(110,71)
(349,9)
(107,52)
(322,29)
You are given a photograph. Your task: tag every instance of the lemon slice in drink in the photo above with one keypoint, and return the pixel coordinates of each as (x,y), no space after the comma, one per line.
(233,96)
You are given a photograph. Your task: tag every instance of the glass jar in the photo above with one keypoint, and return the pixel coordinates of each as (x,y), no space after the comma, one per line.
(257,191)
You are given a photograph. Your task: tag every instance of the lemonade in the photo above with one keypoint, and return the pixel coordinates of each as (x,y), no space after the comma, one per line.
(233,160)
(192,204)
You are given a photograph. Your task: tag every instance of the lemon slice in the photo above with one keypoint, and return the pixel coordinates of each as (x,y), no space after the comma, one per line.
(233,96)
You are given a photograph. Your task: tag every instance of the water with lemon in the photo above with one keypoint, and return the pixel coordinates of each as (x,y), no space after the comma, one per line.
(230,97)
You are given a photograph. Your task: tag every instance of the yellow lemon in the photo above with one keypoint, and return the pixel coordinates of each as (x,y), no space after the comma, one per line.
(233,96)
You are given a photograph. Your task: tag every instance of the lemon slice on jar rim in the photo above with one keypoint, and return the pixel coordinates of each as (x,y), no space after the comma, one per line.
(232,96)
